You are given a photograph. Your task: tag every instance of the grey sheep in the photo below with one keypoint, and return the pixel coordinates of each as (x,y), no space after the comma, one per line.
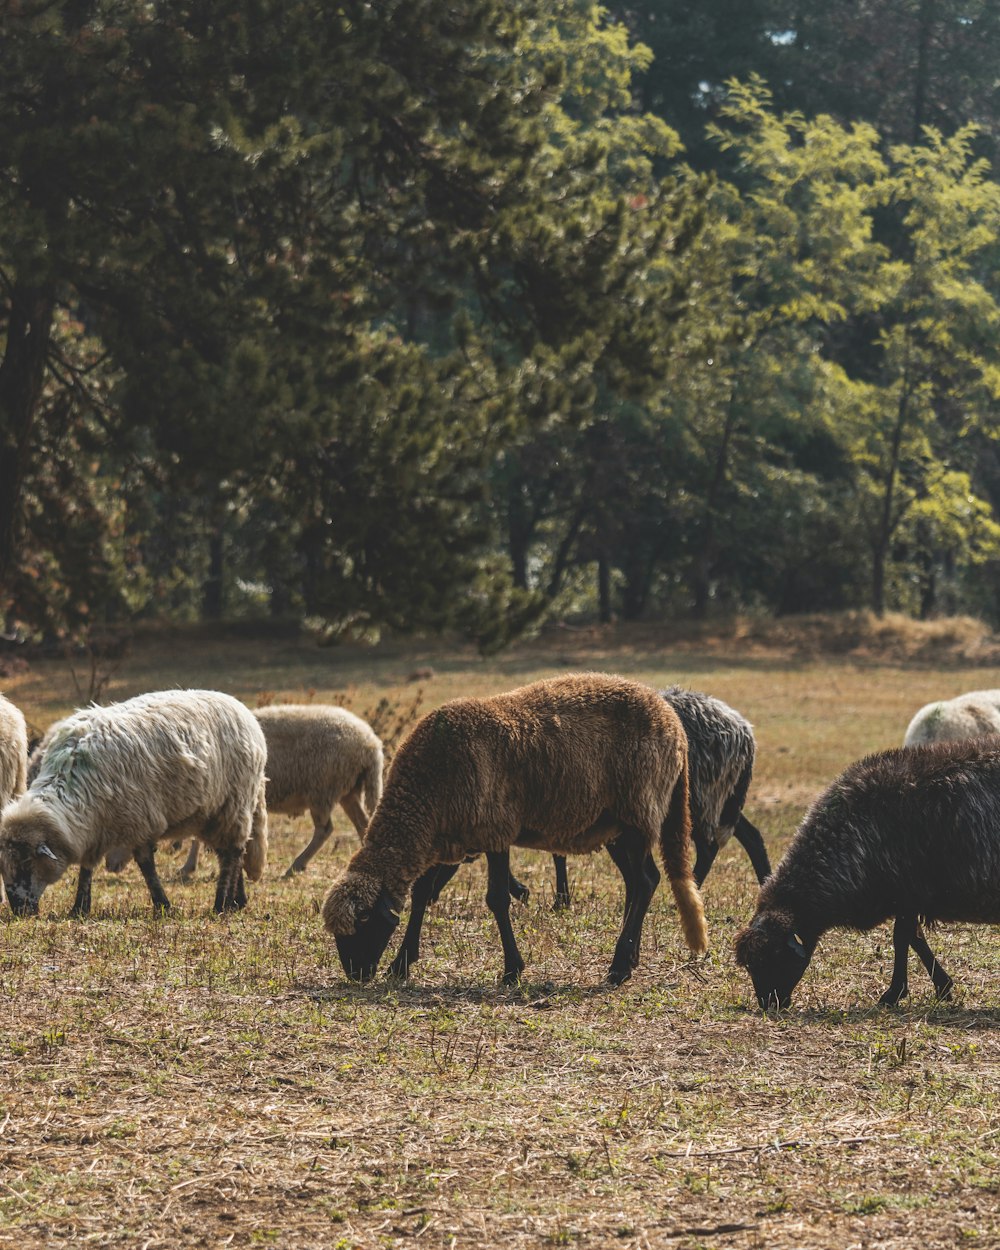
(161,765)
(569,765)
(912,833)
(949,720)
(317,756)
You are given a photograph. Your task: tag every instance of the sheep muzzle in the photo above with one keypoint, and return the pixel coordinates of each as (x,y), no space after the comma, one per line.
(361,950)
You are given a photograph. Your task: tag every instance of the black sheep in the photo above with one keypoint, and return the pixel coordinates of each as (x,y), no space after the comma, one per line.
(912,833)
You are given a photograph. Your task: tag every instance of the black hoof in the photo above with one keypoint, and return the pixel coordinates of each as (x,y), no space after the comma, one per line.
(561,902)
(892,998)
(944,994)
(513,978)
(520,893)
(617,977)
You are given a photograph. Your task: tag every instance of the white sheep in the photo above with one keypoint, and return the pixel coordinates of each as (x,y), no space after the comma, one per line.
(161,765)
(950,720)
(13,751)
(317,756)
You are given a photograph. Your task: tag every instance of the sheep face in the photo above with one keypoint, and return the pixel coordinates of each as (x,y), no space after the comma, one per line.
(361,914)
(28,869)
(774,956)
(361,951)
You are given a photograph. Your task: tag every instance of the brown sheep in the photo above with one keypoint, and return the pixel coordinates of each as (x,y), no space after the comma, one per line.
(566,765)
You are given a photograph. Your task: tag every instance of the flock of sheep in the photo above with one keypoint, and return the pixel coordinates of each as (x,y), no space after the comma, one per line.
(566,765)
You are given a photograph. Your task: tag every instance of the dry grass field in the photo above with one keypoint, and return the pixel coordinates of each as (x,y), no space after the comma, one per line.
(201,1082)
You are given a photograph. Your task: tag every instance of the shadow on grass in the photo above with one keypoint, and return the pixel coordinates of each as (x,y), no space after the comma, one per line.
(538,995)
(943,1015)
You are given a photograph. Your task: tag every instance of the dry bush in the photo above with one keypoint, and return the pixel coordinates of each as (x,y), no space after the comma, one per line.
(892,637)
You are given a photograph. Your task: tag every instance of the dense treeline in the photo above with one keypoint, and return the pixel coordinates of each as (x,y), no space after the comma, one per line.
(423,315)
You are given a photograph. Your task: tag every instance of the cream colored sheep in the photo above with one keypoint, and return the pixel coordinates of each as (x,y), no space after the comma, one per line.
(13,752)
(317,756)
(161,765)
(566,765)
(951,720)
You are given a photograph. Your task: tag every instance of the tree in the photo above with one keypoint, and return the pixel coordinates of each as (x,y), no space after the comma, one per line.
(303,234)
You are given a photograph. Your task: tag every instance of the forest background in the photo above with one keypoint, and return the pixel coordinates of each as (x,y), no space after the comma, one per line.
(430,315)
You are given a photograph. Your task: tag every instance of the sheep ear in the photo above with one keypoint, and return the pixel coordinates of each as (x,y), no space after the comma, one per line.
(384,909)
(42,849)
(795,944)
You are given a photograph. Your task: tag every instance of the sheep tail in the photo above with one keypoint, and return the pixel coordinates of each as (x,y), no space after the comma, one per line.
(675,848)
(371,780)
(255,851)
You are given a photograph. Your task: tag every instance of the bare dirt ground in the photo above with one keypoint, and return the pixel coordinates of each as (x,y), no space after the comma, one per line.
(202,1082)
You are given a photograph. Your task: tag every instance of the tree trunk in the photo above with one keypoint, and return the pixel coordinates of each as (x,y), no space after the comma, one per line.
(705,558)
(635,593)
(886,523)
(925,26)
(604,588)
(21,376)
(213,597)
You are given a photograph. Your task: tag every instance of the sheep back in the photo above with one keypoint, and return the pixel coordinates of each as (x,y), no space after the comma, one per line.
(721,750)
(177,762)
(907,831)
(966,716)
(316,754)
(539,765)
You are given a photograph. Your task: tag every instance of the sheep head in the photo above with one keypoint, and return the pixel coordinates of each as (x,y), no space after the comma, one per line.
(774,956)
(360,913)
(32,852)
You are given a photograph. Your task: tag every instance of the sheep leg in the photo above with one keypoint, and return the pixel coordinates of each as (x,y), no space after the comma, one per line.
(321,831)
(240,893)
(356,813)
(423,892)
(518,889)
(943,984)
(630,852)
(439,876)
(498,901)
(191,863)
(705,852)
(81,904)
(749,837)
(230,868)
(562,900)
(904,931)
(145,858)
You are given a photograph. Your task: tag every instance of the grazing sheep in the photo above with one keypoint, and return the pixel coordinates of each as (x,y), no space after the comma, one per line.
(317,756)
(127,775)
(13,751)
(966,716)
(912,833)
(569,765)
